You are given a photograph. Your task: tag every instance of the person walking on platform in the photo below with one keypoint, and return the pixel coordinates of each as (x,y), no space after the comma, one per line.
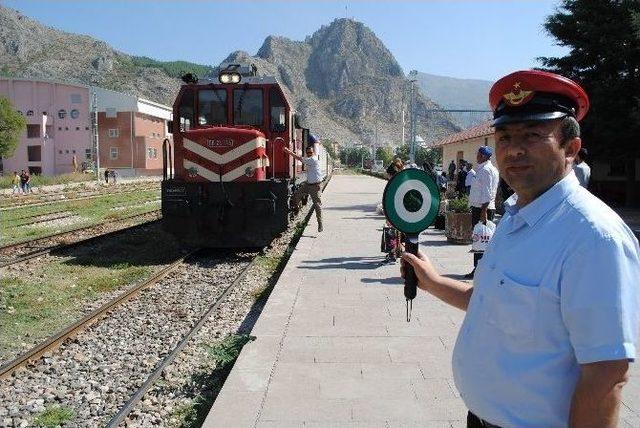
(106,176)
(482,196)
(461,178)
(312,186)
(552,317)
(452,170)
(581,169)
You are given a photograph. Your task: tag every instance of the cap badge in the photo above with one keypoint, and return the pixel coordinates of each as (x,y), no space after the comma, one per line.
(517,96)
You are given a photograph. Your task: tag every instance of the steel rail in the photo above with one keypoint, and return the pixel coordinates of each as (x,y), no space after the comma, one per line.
(36,215)
(137,396)
(57,201)
(55,340)
(47,250)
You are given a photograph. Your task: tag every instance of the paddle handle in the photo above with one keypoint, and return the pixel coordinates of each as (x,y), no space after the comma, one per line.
(410,278)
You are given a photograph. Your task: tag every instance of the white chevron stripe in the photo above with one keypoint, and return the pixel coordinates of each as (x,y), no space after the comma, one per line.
(227,157)
(239,171)
(202,171)
(229,176)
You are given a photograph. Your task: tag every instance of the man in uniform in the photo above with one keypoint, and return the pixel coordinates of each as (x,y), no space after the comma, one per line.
(552,317)
(312,186)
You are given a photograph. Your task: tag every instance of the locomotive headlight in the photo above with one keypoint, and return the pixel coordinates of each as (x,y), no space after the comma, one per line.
(229,78)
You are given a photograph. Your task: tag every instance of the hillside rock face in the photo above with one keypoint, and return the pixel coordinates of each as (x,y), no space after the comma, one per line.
(342,80)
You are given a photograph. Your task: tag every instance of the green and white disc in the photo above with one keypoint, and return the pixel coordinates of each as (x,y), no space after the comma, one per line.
(411,201)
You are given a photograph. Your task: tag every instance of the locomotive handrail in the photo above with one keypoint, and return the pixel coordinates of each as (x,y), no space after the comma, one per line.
(167,161)
(273,156)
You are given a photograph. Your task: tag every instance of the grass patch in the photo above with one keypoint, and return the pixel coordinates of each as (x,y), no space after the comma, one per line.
(39,304)
(47,180)
(88,211)
(224,355)
(54,416)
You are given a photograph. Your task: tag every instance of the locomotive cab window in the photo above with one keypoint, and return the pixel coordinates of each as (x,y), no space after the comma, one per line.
(212,107)
(278,111)
(186,110)
(247,107)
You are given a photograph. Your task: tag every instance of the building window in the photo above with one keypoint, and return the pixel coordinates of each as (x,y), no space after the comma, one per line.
(59,128)
(34,153)
(66,128)
(33,131)
(29,112)
(486,141)
(88,153)
(20,113)
(113,153)
(114,133)
(66,152)
(73,151)
(77,128)
(59,152)
(76,98)
(62,113)
(152,153)
(75,114)
(35,170)
(86,128)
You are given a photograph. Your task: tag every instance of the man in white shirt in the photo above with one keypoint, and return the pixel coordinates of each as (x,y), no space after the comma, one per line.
(312,186)
(482,197)
(581,169)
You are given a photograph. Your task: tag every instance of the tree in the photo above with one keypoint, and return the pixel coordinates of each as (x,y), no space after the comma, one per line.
(12,124)
(353,156)
(385,154)
(328,146)
(604,41)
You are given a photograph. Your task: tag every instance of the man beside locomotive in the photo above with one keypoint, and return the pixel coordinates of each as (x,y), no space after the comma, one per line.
(312,186)
(552,317)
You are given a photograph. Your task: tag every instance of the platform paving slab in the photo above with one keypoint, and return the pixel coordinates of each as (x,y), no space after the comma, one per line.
(333,348)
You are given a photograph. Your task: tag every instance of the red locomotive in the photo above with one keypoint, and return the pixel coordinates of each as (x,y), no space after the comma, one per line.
(232,184)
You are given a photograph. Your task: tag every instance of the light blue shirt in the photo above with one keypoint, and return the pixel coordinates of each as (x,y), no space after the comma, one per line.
(557,287)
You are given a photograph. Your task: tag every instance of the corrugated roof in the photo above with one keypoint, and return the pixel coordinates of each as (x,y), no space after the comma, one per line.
(481,130)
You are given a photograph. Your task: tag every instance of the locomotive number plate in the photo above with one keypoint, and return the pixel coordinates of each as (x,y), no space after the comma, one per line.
(224,142)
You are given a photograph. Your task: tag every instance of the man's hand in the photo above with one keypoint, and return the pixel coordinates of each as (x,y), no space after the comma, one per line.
(483,216)
(455,293)
(422,266)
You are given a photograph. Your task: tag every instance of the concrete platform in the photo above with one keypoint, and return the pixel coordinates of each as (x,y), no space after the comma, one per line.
(333,347)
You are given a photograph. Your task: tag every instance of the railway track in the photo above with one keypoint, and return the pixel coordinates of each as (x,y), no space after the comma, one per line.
(26,250)
(110,358)
(62,198)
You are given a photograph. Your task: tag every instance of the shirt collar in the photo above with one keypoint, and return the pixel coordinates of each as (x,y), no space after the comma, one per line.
(533,212)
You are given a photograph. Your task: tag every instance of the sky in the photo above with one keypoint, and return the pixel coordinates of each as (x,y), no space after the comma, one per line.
(478,39)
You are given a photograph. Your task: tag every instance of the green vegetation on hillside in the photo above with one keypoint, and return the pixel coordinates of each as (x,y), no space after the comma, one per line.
(173,68)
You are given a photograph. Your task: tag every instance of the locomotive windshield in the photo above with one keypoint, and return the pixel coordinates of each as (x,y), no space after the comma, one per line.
(247,107)
(212,107)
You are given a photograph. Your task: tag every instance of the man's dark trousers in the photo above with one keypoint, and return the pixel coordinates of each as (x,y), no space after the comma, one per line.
(475,219)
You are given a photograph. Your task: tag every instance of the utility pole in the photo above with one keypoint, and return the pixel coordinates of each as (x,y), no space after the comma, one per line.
(94,130)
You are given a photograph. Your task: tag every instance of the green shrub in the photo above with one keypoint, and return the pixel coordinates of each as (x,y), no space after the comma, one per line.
(460,204)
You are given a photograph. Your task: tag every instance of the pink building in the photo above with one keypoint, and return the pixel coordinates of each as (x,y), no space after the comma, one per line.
(65,108)
(130,129)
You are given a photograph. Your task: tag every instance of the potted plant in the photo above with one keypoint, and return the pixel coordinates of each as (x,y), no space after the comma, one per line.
(458,220)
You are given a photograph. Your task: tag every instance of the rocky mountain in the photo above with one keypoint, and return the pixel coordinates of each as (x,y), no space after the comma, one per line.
(344,82)
(457,94)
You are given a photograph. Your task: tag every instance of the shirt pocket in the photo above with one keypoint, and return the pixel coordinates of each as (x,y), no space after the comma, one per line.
(513,307)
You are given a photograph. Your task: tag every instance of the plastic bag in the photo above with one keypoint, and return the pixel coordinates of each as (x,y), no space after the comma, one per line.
(481,235)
